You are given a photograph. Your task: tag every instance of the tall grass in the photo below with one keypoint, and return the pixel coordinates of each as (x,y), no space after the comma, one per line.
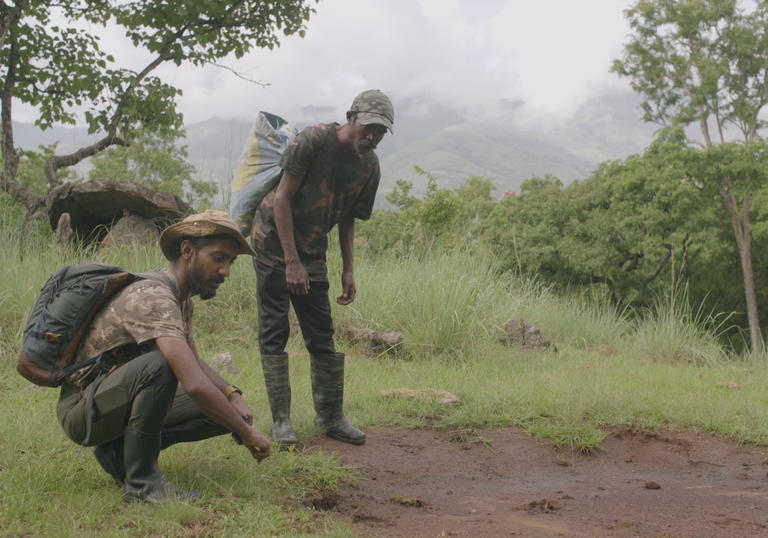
(444,304)
(672,330)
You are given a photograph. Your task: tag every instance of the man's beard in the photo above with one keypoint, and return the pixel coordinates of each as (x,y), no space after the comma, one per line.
(364,146)
(196,282)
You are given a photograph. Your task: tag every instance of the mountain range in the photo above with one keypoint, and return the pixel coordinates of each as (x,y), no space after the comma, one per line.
(507,146)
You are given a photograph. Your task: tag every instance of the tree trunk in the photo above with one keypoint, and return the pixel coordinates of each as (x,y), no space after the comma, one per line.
(743,234)
(11,156)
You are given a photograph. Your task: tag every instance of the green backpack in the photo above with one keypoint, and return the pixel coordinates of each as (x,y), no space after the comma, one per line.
(62,314)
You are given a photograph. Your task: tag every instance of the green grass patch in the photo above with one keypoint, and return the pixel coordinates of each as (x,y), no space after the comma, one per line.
(664,369)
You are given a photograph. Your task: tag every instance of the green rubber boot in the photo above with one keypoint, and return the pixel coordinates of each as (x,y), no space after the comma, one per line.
(328,396)
(277,381)
(110,457)
(143,480)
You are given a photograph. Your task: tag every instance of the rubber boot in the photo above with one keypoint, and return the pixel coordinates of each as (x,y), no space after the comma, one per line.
(277,381)
(328,396)
(143,479)
(110,457)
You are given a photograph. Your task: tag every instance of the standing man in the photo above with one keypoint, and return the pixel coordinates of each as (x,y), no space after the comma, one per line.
(330,176)
(129,405)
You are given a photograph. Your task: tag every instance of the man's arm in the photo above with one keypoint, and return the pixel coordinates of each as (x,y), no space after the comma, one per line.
(208,397)
(237,400)
(347,244)
(296,276)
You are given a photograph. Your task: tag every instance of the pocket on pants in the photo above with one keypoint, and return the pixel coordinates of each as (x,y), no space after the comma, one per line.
(111,405)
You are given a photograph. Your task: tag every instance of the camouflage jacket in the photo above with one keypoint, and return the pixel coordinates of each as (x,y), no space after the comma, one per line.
(136,315)
(336,183)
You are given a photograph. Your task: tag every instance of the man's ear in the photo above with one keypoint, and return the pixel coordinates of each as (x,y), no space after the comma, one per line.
(187,249)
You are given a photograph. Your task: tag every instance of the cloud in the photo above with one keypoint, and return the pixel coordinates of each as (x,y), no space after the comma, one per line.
(473,55)
(551,55)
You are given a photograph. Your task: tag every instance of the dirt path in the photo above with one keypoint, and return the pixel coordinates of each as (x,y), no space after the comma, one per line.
(506,483)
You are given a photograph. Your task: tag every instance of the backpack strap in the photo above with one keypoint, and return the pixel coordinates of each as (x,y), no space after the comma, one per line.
(157,275)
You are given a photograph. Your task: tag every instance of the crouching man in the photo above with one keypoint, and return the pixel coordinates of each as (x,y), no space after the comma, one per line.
(145,333)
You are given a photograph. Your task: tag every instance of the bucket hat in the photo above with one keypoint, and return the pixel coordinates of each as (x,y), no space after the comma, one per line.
(209,222)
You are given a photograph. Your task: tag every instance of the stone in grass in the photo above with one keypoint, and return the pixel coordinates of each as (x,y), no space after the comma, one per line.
(525,335)
(443,396)
(378,341)
(223,364)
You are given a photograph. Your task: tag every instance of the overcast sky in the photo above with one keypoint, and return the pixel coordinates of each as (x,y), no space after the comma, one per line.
(470,54)
(465,53)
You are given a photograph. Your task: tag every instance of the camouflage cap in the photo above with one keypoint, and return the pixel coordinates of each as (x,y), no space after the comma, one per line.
(373,107)
(209,222)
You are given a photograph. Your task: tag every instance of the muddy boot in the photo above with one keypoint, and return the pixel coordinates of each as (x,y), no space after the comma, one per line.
(275,368)
(110,457)
(143,479)
(328,396)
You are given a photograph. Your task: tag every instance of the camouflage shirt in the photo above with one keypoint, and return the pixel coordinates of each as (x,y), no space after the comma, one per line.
(138,314)
(337,182)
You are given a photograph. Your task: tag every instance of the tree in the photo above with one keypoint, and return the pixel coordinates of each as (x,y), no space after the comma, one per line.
(153,159)
(702,63)
(50,62)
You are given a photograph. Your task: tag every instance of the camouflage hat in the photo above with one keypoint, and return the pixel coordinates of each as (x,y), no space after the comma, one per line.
(373,107)
(209,222)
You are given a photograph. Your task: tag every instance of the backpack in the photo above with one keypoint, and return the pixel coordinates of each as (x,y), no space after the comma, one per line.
(62,315)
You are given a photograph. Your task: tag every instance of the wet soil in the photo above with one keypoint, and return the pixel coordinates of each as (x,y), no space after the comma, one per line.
(506,483)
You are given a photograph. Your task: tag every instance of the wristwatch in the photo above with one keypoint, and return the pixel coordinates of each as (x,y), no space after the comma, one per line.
(230,390)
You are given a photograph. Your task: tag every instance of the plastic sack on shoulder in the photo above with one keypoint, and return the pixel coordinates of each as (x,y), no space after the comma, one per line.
(259,168)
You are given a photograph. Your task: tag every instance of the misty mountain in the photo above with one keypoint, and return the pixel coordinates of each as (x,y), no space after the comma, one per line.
(509,147)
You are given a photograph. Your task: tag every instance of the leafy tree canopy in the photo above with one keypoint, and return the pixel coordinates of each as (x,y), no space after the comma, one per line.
(156,161)
(51,58)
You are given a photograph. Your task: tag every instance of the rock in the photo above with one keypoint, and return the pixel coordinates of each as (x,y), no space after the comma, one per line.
(652,485)
(379,341)
(130,229)
(423,394)
(97,204)
(525,335)
(223,364)
(64,230)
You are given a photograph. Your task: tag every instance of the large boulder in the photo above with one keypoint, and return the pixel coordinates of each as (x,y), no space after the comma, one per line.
(95,205)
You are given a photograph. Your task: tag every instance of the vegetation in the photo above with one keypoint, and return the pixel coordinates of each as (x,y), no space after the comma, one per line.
(51,61)
(699,63)
(156,161)
(628,272)
(662,367)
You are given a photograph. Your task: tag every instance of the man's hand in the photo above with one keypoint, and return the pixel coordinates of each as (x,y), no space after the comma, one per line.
(296,278)
(237,401)
(348,288)
(257,443)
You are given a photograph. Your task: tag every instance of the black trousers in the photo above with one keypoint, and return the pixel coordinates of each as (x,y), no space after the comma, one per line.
(312,310)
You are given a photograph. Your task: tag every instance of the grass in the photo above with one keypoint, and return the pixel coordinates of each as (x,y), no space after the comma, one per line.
(664,369)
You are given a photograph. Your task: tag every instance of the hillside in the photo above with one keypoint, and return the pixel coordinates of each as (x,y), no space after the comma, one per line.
(443,141)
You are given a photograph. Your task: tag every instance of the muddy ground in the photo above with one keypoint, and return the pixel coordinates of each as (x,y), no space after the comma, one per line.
(506,483)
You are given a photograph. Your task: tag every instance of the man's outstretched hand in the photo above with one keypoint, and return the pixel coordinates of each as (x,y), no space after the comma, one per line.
(258,444)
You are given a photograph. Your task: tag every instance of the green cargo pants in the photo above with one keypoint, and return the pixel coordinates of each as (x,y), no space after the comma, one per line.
(143,392)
